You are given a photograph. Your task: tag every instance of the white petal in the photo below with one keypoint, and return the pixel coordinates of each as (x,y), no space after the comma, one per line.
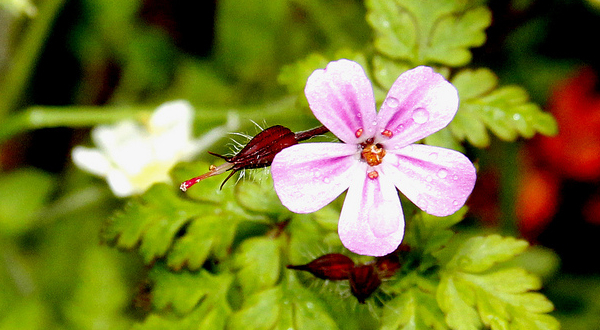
(91,160)
(437,180)
(372,221)
(309,176)
(120,184)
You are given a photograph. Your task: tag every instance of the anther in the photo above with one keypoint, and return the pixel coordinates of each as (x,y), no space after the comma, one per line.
(358,132)
(387,132)
(373,175)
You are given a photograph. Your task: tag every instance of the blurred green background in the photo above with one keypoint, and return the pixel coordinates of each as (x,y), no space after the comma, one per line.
(228,54)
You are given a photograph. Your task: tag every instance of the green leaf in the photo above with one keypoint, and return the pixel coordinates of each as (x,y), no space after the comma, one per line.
(413,310)
(199,300)
(152,220)
(260,197)
(183,290)
(184,231)
(258,261)
(501,299)
(506,111)
(23,193)
(294,76)
(478,254)
(260,310)
(429,232)
(460,314)
(286,306)
(427,33)
(208,234)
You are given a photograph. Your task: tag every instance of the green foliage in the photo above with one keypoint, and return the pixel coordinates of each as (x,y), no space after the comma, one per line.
(447,281)
(215,258)
(20,212)
(439,32)
(472,293)
(506,111)
(186,231)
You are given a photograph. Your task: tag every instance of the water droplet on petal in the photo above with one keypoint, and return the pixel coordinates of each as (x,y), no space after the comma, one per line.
(433,156)
(317,174)
(455,177)
(429,178)
(326,180)
(420,116)
(392,102)
(455,203)
(442,173)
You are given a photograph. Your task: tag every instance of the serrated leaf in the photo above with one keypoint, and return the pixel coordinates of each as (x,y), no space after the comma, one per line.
(460,315)
(258,261)
(184,231)
(432,32)
(188,300)
(500,306)
(288,305)
(208,234)
(260,310)
(152,221)
(413,310)
(430,232)
(183,291)
(506,111)
(503,299)
(478,254)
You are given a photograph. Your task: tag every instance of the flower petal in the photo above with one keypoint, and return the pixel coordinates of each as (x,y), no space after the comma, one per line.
(120,184)
(437,180)
(341,97)
(420,102)
(126,144)
(309,176)
(91,160)
(372,221)
(170,129)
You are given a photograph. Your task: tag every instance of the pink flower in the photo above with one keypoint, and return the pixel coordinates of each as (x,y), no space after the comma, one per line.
(378,155)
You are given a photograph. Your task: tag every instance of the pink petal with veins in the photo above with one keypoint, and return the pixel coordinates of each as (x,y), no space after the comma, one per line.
(341,97)
(309,176)
(371,222)
(437,180)
(420,102)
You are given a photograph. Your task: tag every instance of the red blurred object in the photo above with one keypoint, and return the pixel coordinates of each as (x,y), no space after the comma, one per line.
(572,155)
(575,152)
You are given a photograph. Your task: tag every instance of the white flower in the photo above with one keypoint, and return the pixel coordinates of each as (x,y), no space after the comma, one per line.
(133,157)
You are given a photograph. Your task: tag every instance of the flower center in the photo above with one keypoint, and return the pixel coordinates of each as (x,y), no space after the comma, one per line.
(372,153)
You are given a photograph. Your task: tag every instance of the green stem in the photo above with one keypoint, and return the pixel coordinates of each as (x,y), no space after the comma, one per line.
(282,111)
(25,56)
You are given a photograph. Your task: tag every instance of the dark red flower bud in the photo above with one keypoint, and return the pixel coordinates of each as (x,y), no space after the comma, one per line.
(364,280)
(333,266)
(259,152)
(387,265)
